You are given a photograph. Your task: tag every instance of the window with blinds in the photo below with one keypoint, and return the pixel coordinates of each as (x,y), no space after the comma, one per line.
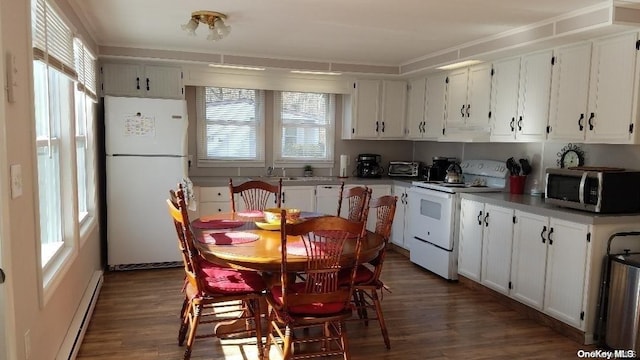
(64,80)
(230,126)
(52,39)
(304,128)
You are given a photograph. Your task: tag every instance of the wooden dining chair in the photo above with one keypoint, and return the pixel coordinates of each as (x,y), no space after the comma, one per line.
(356,198)
(221,288)
(255,194)
(368,286)
(299,307)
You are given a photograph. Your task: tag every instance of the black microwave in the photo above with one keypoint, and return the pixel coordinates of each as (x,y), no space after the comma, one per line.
(600,190)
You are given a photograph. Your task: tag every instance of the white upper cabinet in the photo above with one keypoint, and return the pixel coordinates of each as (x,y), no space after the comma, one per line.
(569,94)
(467,100)
(595,91)
(613,90)
(520,97)
(377,111)
(416,108)
(154,81)
(425,110)
(434,106)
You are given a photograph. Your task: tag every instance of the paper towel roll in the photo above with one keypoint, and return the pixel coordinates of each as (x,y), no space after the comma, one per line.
(344,160)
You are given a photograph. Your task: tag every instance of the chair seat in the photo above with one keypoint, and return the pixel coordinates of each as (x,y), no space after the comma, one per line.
(208,268)
(363,276)
(308,309)
(225,281)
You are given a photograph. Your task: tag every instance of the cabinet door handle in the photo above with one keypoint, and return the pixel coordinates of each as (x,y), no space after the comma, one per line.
(591,116)
(138,83)
(377,126)
(544,230)
(549,236)
(147,84)
(486,220)
(480,218)
(383,126)
(580,122)
(462,111)
(283,197)
(512,124)
(520,123)
(468,107)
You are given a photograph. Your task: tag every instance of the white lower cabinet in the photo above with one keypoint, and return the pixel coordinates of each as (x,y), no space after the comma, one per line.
(399,236)
(470,245)
(496,247)
(566,268)
(327,199)
(548,265)
(299,197)
(529,258)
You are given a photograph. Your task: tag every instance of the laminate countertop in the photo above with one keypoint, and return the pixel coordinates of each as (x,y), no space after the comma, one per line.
(538,205)
(210,181)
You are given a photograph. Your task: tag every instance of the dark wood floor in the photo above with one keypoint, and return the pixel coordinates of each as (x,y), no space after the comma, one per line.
(136,317)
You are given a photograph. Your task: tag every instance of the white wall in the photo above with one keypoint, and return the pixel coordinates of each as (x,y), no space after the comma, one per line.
(48,323)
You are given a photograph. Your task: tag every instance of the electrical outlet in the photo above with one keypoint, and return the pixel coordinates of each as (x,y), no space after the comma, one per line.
(16,180)
(27,344)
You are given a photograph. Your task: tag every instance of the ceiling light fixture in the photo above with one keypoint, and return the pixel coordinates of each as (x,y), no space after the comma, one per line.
(217,28)
(237,67)
(459,64)
(315,72)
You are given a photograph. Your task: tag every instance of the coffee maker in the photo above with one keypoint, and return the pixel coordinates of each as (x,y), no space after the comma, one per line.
(368,166)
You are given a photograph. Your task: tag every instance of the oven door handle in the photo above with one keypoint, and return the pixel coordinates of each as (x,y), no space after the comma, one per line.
(429,193)
(583,184)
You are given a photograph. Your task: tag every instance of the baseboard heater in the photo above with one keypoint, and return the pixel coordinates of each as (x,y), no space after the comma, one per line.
(75,334)
(146,266)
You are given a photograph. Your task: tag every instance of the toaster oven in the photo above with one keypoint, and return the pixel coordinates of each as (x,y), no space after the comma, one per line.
(404,168)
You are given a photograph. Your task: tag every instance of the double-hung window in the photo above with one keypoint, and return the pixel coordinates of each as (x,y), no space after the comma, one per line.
(230,127)
(85,100)
(304,129)
(64,122)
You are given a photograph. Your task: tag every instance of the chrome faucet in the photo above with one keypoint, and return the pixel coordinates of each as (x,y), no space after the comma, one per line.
(270,171)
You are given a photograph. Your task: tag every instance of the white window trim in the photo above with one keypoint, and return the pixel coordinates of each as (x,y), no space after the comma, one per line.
(201,133)
(277,138)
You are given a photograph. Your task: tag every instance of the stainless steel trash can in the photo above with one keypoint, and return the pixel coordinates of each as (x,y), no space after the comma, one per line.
(623,309)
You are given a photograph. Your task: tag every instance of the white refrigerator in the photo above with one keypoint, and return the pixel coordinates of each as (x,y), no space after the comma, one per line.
(146,156)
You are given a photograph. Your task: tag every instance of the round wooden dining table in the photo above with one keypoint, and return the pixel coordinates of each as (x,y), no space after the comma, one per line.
(263,252)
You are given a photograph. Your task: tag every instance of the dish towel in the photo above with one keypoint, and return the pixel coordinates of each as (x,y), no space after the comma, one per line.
(190,197)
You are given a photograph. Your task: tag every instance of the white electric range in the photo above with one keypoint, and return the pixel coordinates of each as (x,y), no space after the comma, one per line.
(434,214)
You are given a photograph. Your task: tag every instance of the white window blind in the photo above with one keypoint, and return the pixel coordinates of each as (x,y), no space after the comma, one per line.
(304,128)
(230,126)
(86,68)
(52,39)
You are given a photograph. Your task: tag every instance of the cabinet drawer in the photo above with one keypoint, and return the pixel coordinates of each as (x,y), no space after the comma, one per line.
(218,193)
(214,207)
